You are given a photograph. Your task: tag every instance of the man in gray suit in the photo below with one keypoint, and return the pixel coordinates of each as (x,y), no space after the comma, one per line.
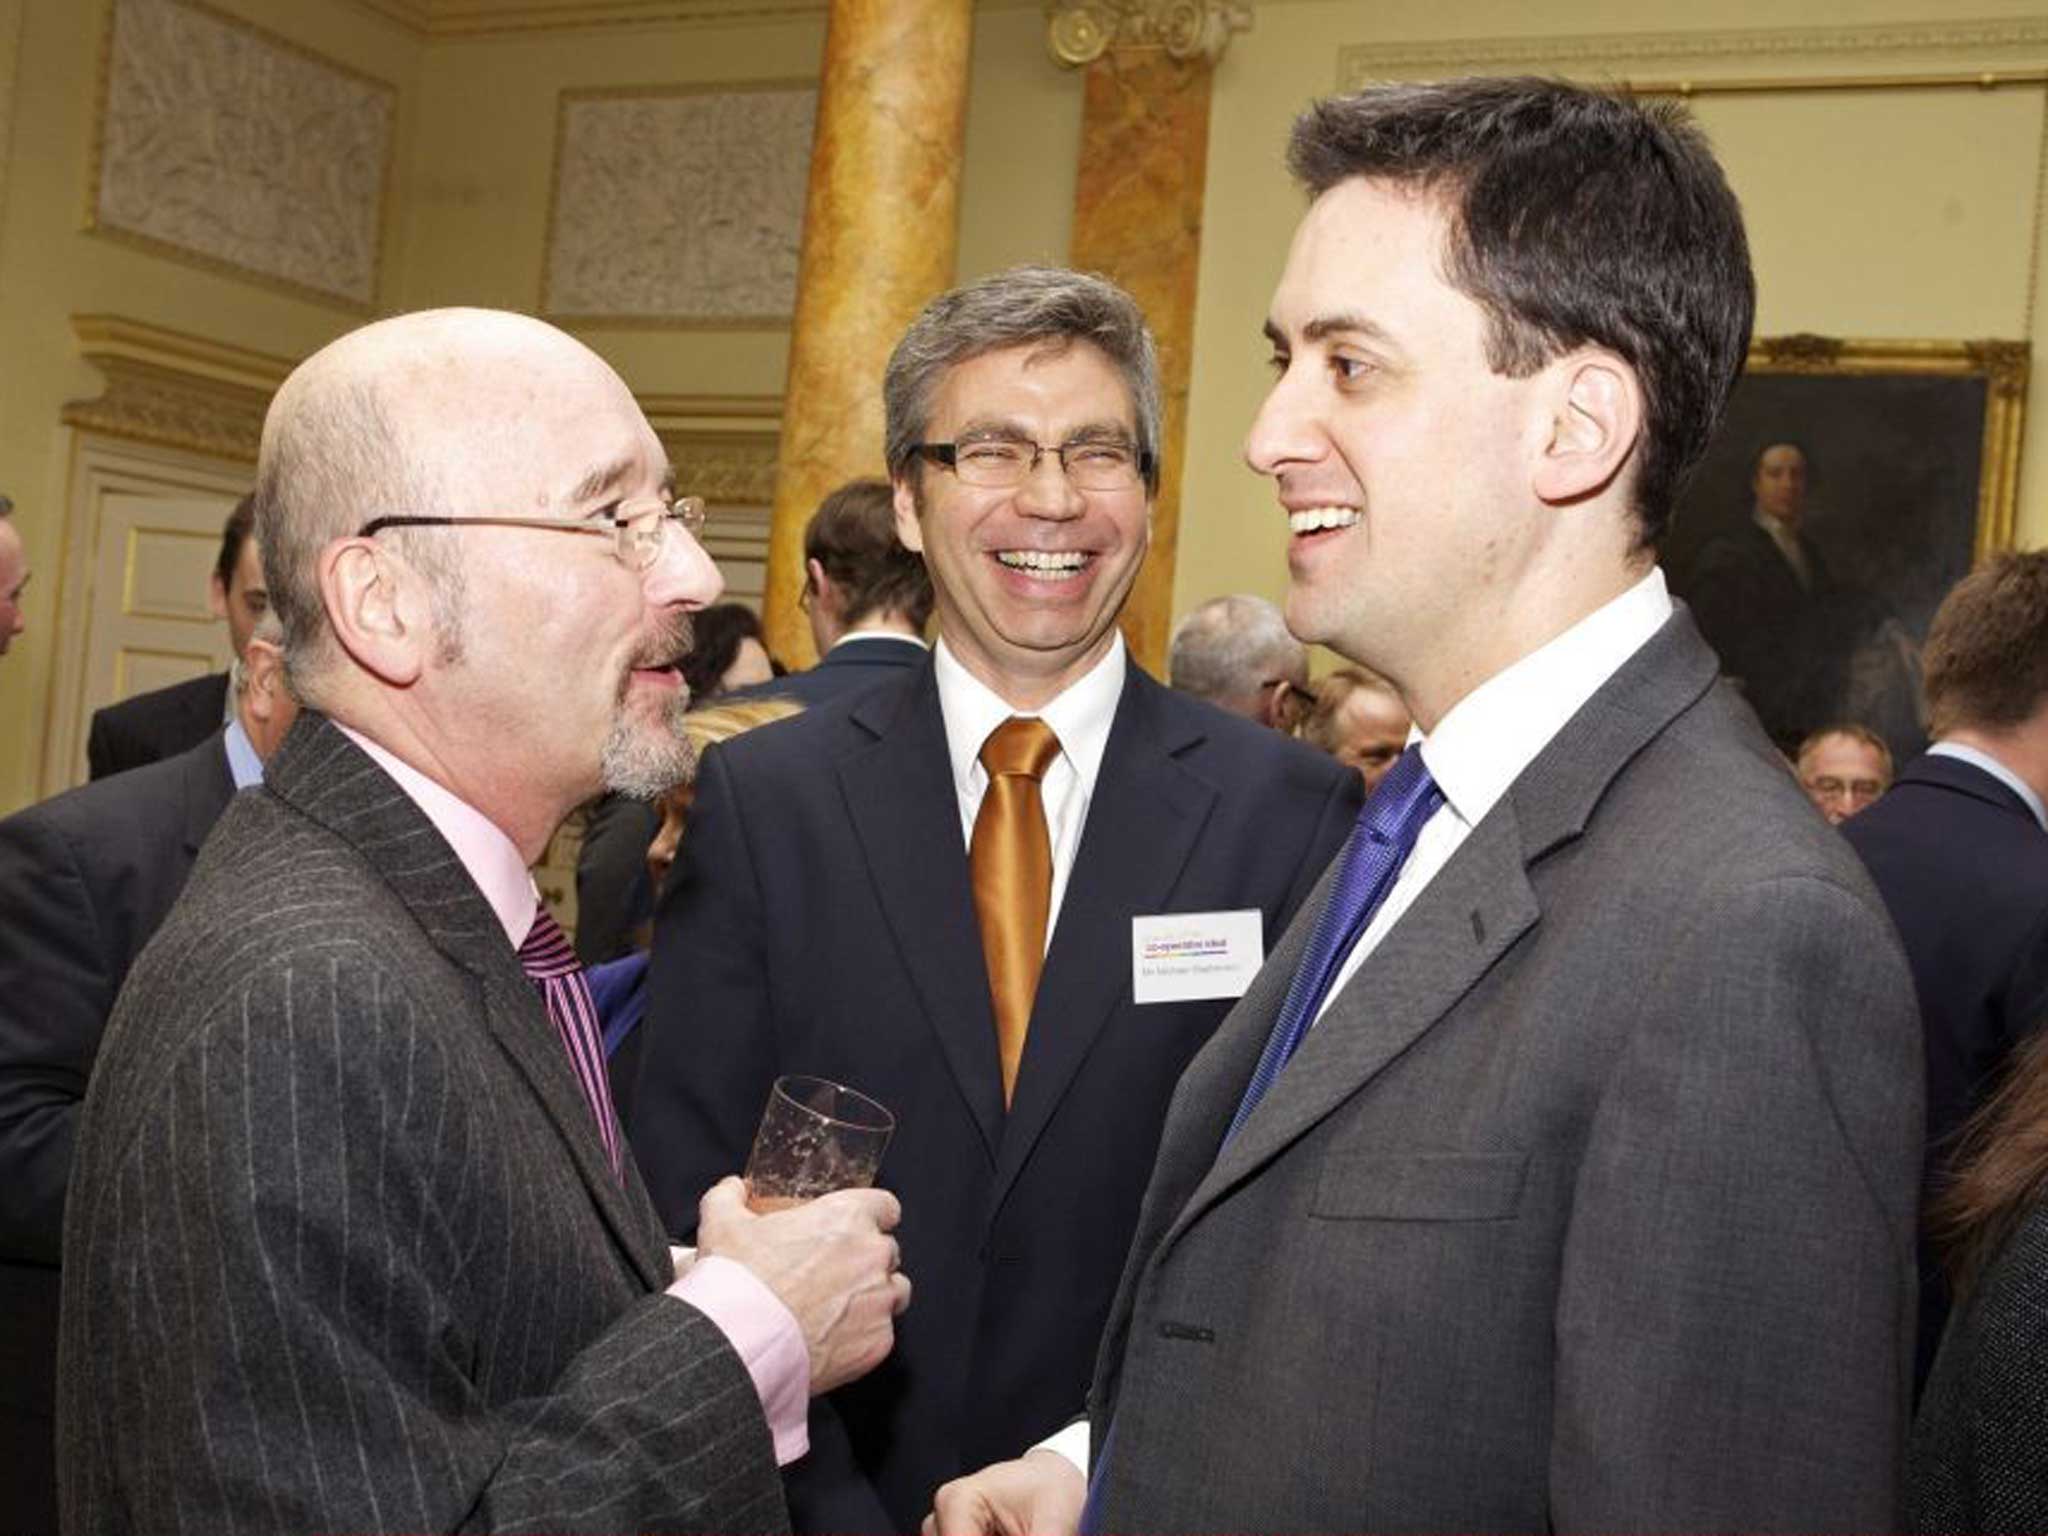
(352,1241)
(1558,1170)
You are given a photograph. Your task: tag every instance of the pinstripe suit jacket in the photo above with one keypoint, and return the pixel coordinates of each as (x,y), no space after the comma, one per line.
(342,1251)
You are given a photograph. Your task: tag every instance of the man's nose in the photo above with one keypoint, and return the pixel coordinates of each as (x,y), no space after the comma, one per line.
(1283,432)
(1047,491)
(683,572)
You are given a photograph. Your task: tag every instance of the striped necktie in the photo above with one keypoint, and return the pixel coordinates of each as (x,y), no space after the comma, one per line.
(551,965)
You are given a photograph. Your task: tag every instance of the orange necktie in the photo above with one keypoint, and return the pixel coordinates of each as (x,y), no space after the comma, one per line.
(1010,863)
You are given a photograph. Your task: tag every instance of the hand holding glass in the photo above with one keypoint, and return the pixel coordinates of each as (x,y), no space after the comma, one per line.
(815,1137)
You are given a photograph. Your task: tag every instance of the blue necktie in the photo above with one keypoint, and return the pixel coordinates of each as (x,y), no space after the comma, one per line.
(1380,842)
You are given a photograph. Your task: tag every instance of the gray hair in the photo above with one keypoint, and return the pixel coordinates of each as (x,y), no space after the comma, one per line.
(6,504)
(1232,646)
(1023,306)
(328,464)
(271,632)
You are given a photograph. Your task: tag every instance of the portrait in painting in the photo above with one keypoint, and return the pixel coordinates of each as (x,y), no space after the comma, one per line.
(1851,486)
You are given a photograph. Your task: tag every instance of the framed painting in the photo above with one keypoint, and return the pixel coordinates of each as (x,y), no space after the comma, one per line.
(1852,484)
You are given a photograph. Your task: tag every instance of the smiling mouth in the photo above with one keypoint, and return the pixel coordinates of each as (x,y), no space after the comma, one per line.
(1044,564)
(1322,519)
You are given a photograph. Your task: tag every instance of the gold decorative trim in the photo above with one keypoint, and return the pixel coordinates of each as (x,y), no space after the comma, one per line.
(724,467)
(386,179)
(2003,365)
(578,320)
(1080,31)
(1604,53)
(173,388)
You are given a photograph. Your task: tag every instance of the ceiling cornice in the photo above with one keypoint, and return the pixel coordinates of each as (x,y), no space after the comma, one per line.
(466,19)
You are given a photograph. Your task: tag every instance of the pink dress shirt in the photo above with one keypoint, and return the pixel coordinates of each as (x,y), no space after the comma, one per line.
(762,1331)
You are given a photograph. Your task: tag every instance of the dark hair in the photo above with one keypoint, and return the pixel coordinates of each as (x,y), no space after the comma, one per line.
(853,536)
(1987,649)
(2000,1167)
(715,636)
(1575,217)
(1020,307)
(234,533)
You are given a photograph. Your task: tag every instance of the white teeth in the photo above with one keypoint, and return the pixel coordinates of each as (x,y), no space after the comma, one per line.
(1043,562)
(1310,519)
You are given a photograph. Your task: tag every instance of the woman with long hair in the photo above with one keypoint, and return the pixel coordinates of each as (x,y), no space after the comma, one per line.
(1979,1459)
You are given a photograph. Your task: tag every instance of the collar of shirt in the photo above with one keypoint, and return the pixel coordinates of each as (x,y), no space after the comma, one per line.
(1997,770)
(490,857)
(1496,730)
(244,766)
(876,634)
(1080,717)
(1786,540)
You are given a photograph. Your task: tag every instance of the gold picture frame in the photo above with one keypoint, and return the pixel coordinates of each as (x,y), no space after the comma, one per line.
(1907,462)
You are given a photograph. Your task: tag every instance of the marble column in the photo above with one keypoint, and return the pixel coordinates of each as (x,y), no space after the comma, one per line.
(1138,215)
(880,226)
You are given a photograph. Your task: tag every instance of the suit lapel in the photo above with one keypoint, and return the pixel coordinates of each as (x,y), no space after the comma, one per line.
(328,778)
(901,801)
(1476,909)
(1144,819)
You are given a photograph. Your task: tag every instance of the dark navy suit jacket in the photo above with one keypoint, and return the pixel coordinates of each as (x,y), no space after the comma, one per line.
(819,920)
(85,880)
(1963,867)
(155,725)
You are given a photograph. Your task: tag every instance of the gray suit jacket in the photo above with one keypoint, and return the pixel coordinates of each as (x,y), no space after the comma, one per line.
(1587,1205)
(342,1250)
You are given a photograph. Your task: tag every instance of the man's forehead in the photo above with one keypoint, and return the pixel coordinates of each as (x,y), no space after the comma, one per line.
(991,387)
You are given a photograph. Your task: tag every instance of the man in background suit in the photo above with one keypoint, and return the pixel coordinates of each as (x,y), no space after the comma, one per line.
(868,599)
(1959,850)
(1557,1172)
(166,721)
(839,906)
(14,574)
(352,1242)
(1235,652)
(85,878)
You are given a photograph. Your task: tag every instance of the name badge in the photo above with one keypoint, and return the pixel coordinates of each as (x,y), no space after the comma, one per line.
(1189,957)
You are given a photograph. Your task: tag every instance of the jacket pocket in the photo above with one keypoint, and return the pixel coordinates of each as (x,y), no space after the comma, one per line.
(1358,1185)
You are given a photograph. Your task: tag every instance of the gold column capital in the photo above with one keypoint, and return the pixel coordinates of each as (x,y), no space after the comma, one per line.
(1080,31)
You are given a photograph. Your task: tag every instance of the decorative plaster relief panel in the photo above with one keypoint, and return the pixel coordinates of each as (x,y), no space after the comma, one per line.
(221,143)
(681,206)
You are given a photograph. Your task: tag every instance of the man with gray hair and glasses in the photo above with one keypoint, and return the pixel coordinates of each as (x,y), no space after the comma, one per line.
(1008,894)
(1235,652)
(353,1240)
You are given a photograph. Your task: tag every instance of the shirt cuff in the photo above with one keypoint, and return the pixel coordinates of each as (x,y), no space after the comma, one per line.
(766,1336)
(1071,1442)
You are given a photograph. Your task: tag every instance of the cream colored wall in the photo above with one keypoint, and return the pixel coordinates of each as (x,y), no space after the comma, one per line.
(50,269)
(1891,214)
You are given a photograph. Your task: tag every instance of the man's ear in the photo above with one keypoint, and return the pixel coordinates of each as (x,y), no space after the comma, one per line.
(1595,408)
(377,607)
(216,596)
(908,529)
(263,678)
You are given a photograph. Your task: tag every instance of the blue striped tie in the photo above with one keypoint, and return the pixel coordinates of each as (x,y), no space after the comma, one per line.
(1380,841)
(551,965)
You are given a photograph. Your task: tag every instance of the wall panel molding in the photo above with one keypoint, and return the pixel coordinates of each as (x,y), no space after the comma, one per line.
(228,147)
(1978,42)
(174,389)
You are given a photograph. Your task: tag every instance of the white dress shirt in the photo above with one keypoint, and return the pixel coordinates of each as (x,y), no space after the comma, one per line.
(1475,753)
(1080,717)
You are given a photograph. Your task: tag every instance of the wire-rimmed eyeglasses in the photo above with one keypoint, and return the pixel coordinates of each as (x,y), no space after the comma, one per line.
(638,527)
(1004,463)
